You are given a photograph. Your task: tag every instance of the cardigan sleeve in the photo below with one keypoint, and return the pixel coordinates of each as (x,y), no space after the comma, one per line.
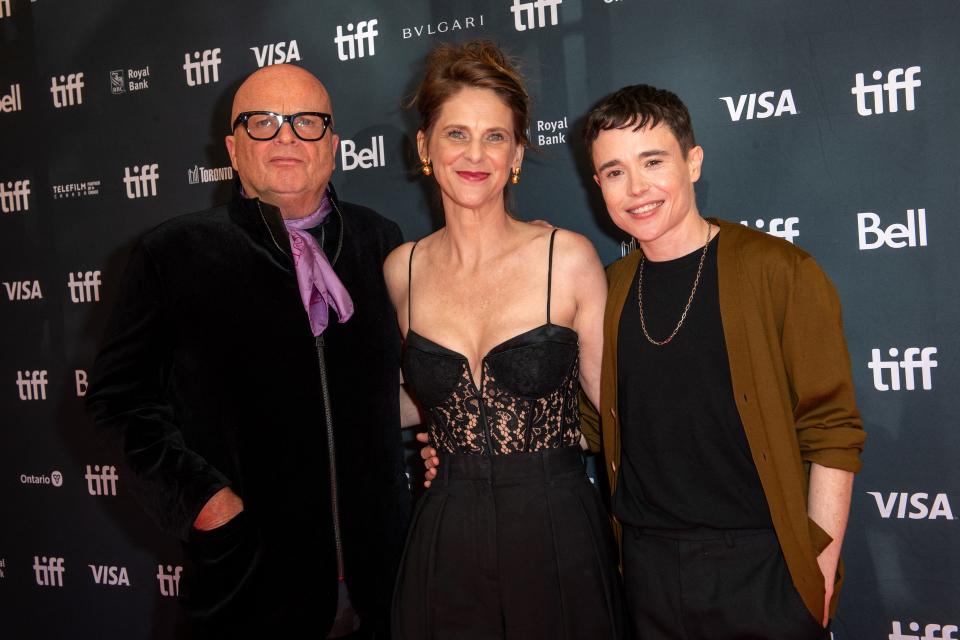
(829,429)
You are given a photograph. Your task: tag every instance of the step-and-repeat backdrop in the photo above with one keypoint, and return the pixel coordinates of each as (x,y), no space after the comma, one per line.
(830,124)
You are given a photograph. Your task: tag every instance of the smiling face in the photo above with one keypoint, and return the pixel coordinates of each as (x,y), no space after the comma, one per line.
(286,171)
(647,186)
(472,148)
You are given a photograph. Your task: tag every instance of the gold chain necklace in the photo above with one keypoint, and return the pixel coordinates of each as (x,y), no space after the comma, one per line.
(683,316)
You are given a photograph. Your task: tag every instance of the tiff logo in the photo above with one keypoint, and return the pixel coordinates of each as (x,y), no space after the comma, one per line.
(32,385)
(199,69)
(23,290)
(15,196)
(897,80)
(80,377)
(5,9)
(779,227)
(930,631)
(68,91)
(141,182)
(366,32)
(278,53)
(169,580)
(767,109)
(84,286)
(49,571)
(101,481)
(872,236)
(523,13)
(110,575)
(917,502)
(365,158)
(909,364)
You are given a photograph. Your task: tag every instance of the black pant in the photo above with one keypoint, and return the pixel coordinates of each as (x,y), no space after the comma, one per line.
(714,584)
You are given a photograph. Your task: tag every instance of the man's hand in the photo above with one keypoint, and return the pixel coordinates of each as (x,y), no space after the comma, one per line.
(828,567)
(430,459)
(220,509)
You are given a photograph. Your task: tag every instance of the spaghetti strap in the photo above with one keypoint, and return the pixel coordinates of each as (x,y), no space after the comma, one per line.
(549,273)
(410,287)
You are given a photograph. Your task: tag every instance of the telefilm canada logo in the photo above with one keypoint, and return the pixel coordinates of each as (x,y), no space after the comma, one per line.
(276,53)
(441,27)
(67,90)
(900,82)
(535,14)
(83,189)
(129,80)
(202,175)
(766,104)
(785,228)
(53,479)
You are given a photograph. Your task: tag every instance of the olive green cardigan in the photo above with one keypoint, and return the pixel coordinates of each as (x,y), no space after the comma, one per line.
(791,383)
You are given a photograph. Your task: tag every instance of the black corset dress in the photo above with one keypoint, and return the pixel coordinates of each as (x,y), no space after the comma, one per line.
(511,541)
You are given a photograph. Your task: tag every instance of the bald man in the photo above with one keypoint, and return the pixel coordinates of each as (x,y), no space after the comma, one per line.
(250,373)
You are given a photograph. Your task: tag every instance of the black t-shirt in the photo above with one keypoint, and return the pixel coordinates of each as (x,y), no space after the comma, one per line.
(685,461)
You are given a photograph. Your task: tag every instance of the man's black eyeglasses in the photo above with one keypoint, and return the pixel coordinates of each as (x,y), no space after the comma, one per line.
(309,126)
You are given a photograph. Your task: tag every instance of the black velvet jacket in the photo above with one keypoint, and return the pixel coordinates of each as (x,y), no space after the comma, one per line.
(209,377)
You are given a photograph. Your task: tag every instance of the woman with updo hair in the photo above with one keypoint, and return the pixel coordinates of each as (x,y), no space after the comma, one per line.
(503,325)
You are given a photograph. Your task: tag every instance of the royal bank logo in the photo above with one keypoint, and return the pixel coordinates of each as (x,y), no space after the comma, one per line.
(54,478)
(870,100)
(76,190)
(80,380)
(84,286)
(535,14)
(785,228)
(32,385)
(356,44)
(169,580)
(12,101)
(67,90)
(202,175)
(109,575)
(101,480)
(5,9)
(871,235)
(760,105)
(276,53)
(141,181)
(124,80)
(912,506)
(886,373)
(551,132)
(15,196)
(203,67)
(23,290)
(442,26)
(354,157)
(49,571)
(930,631)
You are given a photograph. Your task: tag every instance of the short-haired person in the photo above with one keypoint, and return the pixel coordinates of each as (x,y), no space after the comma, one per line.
(729,425)
(251,364)
(503,324)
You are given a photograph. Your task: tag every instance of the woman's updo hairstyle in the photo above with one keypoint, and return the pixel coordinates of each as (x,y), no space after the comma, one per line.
(478,64)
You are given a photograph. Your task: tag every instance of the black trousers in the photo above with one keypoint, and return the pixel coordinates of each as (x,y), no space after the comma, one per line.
(721,585)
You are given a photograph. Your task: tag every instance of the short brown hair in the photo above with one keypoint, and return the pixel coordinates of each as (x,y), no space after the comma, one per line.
(479,64)
(637,106)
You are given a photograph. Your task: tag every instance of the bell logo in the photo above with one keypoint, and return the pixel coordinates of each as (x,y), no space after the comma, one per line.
(204,68)
(12,101)
(930,631)
(279,53)
(32,385)
(101,482)
(909,364)
(80,377)
(84,286)
(524,17)
(141,182)
(23,290)
(364,158)
(354,42)
(68,90)
(872,236)
(778,227)
(917,503)
(15,196)
(48,571)
(897,80)
(169,579)
(767,109)
(109,575)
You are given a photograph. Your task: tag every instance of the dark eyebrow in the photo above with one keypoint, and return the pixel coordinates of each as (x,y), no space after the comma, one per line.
(642,154)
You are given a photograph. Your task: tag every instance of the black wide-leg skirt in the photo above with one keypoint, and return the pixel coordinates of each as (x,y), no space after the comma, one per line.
(514,546)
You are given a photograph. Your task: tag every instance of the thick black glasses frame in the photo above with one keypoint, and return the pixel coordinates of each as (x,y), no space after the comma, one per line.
(244,117)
